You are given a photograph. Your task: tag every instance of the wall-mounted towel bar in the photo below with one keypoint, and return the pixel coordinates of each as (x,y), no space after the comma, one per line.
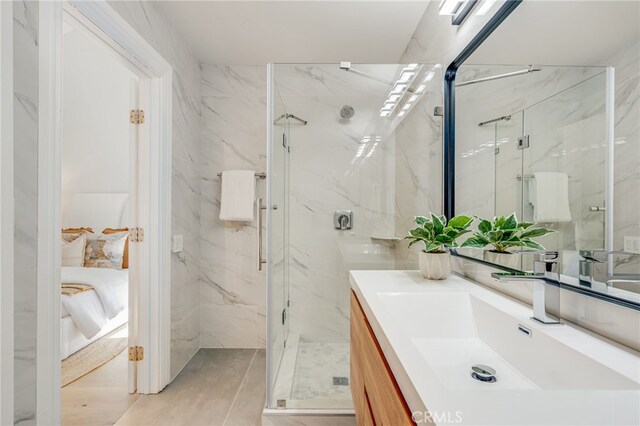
(258,175)
(527,177)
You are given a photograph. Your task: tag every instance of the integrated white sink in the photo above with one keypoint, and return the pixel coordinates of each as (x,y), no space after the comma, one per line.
(455,330)
(432,333)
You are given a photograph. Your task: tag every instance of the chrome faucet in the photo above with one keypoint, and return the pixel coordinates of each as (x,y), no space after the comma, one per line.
(545,296)
(598,267)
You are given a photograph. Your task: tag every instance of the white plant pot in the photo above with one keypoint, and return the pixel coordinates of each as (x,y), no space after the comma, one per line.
(435,266)
(509,260)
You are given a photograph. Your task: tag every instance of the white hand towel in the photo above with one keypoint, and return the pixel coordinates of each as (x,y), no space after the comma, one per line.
(549,196)
(238,195)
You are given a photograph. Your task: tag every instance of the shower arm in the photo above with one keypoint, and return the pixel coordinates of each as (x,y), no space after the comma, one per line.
(287,116)
(499,76)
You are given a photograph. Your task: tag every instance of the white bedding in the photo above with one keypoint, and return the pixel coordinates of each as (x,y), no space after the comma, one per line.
(92,310)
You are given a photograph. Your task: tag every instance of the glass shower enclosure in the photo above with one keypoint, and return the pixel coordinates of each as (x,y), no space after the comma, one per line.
(351,149)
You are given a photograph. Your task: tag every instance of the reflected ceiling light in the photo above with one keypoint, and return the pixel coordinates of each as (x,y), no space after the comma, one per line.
(406,106)
(413,98)
(421,88)
(399,88)
(428,77)
(401,113)
(406,76)
(485,7)
(462,12)
(449,7)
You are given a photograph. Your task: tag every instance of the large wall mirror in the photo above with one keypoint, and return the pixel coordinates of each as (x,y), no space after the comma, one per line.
(547,125)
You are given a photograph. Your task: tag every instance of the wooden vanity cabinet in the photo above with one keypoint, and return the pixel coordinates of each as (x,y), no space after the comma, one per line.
(376,396)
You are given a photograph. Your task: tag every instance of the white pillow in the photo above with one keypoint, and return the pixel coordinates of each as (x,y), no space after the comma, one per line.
(73,252)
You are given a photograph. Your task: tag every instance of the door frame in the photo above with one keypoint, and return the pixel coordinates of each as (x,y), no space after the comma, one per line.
(154,202)
(6,214)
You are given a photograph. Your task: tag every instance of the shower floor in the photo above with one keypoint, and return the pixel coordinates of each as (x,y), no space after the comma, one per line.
(307,376)
(316,367)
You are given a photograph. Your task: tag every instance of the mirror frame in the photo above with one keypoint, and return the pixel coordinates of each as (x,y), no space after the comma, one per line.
(449,150)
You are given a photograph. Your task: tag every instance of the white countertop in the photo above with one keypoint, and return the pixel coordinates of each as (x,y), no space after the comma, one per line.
(525,400)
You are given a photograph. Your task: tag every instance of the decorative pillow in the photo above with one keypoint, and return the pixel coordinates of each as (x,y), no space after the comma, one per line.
(105,251)
(71,234)
(73,252)
(125,256)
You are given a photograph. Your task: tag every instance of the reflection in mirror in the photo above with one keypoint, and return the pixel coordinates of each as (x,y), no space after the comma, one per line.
(535,139)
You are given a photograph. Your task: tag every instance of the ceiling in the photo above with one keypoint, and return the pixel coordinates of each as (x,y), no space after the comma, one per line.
(312,31)
(562,33)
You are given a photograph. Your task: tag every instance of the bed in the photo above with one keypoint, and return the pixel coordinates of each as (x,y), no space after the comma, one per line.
(95,299)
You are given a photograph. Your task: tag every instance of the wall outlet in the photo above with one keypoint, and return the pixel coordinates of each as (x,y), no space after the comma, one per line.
(632,244)
(177,243)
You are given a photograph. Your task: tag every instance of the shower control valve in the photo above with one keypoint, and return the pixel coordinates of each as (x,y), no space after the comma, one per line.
(343,219)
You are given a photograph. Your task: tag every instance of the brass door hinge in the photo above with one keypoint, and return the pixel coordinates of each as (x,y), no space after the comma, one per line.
(136,235)
(136,116)
(136,353)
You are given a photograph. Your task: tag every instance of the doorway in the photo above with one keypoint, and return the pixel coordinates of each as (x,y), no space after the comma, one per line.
(98,181)
(145,204)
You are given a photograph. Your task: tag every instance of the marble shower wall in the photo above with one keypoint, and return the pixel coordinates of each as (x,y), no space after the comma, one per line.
(25,116)
(359,165)
(185,190)
(232,291)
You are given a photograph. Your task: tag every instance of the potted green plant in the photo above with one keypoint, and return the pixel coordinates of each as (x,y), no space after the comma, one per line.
(503,233)
(437,234)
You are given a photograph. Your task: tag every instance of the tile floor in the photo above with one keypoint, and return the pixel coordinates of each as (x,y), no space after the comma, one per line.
(217,387)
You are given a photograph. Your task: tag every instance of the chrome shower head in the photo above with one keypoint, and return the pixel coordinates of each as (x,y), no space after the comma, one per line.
(347,112)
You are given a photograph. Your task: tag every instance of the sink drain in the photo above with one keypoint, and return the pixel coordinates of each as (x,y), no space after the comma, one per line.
(483,373)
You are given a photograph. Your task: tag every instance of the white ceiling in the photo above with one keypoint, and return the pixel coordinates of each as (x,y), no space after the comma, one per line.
(562,33)
(321,31)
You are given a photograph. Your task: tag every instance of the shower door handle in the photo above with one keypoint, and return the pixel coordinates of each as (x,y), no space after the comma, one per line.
(259,209)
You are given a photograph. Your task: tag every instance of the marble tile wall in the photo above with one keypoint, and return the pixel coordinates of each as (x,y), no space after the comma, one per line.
(627,145)
(185,190)
(25,51)
(232,290)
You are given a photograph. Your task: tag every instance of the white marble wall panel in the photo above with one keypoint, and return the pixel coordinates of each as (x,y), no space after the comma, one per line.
(25,49)
(627,145)
(185,190)
(232,291)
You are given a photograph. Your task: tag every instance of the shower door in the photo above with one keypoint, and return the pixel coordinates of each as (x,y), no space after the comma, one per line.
(278,232)
(363,140)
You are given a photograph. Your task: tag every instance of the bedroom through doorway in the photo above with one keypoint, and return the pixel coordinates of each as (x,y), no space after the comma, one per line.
(98,173)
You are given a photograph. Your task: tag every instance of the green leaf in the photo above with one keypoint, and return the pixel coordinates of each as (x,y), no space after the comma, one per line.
(431,247)
(461,222)
(474,242)
(499,221)
(532,244)
(511,222)
(420,220)
(536,232)
(484,226)
(438,224)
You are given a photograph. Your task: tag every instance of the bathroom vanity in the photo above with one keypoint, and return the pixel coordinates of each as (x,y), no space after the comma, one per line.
(414,343)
